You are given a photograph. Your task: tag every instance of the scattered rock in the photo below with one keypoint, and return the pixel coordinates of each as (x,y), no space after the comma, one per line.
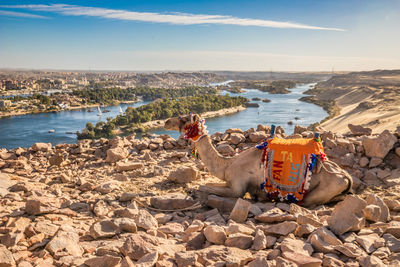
(283,228)
(240,210)
(215,234)
(129,166)
(184,175)
(103,229)
(379,146)
(172,201)
(116,154)
(359,130)
(348,215)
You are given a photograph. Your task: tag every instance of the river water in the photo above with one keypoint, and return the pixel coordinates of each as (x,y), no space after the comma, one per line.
(282,109)
(25,130)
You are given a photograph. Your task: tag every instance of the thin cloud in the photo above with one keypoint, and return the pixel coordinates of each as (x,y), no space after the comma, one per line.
(175,18)
(20,14)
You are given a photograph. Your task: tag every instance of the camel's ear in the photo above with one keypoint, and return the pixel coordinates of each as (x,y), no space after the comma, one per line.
(196,118)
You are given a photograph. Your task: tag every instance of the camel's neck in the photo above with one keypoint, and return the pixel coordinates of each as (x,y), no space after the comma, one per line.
(215,162)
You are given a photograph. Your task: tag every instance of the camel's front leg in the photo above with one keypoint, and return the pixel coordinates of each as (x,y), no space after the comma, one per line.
(219,190)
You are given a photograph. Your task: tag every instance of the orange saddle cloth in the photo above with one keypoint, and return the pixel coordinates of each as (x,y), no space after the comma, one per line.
(288,167)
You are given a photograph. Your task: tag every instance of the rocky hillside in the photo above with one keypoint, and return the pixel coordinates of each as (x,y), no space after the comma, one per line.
(129,202)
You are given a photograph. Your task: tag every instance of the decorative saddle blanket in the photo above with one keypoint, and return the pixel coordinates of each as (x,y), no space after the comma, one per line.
(288,167)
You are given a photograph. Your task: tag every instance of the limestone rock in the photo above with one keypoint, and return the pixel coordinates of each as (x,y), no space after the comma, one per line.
(368,242)
(6,257)
(392,242)
(239,240)
(347,215)
(172,201)
(372,213)
(225,149)
(102,229)
(215,234)
(240,210)
(103,261)
(297,246)
(56,160)
(230,256)
(375,200)
(148,260)
(223,204)
(171,228)
(364,162)
(359,130)
(66,240)
(301,259)
(256,137)
(129,166)
(379,146)
(283,228)
(351,250)
(41,205)
(126,224)
(116,154)
(237,138)
(260,240)
(371,261)
(44,147)
(145,220)
(184,175)
(324,240)
(274,215)
(374,161)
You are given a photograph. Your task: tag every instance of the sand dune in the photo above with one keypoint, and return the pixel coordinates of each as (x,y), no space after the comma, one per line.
(370,99)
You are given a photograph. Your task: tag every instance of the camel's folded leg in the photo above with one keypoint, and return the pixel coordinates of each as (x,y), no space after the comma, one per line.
(216,184)
(220,191)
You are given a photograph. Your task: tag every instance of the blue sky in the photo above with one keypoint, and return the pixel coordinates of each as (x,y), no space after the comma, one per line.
(284,35)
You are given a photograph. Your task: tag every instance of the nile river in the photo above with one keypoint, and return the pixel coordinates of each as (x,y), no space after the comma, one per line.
(25,130)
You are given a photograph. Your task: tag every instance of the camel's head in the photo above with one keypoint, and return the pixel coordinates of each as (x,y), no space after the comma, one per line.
(181,122)
(192,124)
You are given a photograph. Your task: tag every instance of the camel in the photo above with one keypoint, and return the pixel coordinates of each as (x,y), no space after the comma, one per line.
(243,173)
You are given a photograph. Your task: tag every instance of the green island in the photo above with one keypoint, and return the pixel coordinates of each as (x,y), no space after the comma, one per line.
(272,87)
(109,95)
(158,110)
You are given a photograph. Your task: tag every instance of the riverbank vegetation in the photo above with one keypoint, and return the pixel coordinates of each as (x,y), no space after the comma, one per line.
(159,110)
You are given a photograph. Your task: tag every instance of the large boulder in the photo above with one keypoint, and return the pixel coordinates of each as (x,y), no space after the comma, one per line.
(379,146)
(348,215)
(116,154)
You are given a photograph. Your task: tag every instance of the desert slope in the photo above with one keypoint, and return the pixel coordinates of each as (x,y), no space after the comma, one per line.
(370,99)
